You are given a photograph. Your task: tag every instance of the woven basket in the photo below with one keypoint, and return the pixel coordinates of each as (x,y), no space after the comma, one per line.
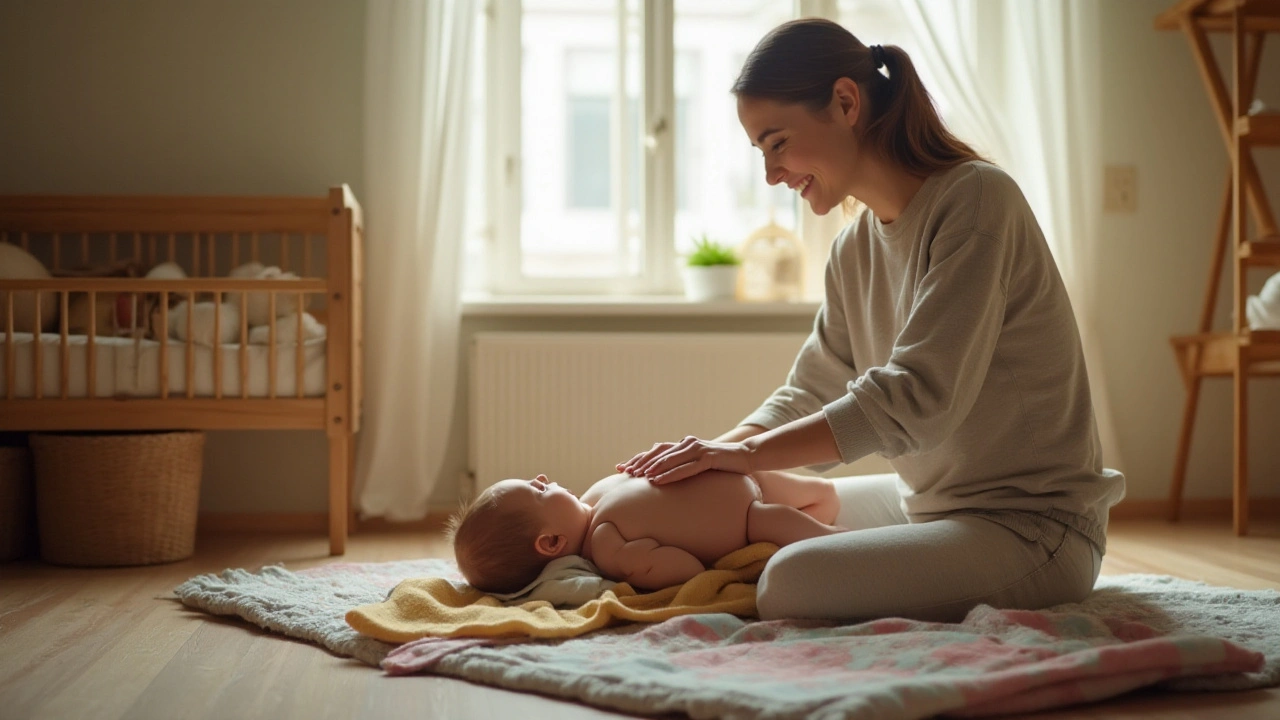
(17,503)
(117,499)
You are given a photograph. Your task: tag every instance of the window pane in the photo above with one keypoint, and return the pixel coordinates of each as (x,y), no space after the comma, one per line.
(720,186)
(588,142)
(580,179)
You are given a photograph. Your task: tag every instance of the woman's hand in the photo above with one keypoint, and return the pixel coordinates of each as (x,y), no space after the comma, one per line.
(670,462)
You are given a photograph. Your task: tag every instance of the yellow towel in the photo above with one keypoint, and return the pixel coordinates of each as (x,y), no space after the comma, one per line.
(433,607)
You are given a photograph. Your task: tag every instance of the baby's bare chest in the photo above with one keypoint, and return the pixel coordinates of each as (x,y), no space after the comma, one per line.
(705,516)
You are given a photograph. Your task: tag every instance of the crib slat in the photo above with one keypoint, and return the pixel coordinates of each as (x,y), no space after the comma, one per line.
(253,247)
(195,257)
(271,345)
(38,351)
(244,345)
(92,348)
(306,254)
(92,343)
(285,238)
(84,249)
(65,376)
(235,249)
(137,249)
(57,251)
(151,250)
(299,365)
(217,344)
(8,341)
(164,344)
(191,344)
(112,246)
(172,248)
(213,264)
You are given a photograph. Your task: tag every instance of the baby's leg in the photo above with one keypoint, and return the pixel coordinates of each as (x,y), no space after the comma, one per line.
(783,525)
(814,496)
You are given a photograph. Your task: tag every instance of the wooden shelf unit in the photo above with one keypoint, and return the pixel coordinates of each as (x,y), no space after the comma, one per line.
(1239,352)
(1214,354)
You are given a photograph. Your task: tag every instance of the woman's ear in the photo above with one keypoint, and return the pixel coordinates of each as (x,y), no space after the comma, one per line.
(550,546)
(846,100)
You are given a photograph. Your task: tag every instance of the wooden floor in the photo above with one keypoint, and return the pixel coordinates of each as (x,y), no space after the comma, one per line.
(105,644)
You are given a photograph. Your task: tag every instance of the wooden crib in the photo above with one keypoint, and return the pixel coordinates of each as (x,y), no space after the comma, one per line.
(54,379)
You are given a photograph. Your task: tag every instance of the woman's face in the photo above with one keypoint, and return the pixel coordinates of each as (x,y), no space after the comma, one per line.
(814,154)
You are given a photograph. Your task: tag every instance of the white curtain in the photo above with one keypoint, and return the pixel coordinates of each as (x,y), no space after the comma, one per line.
(418,70)
(943,31)
(1023,78)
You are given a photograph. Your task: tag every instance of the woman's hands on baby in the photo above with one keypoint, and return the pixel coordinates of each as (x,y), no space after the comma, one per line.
(669,462)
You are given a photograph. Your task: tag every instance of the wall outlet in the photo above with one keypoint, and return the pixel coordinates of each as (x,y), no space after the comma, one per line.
(1120,189)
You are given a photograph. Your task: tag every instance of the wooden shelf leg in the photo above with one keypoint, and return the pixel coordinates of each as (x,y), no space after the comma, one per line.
(1184,447)
(1218,258)
(1240,486)
(1240,166)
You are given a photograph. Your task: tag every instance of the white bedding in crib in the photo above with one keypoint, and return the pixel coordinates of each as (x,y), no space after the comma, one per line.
(126,368)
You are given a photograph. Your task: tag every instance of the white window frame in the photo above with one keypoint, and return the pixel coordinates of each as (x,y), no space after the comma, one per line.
(503,170)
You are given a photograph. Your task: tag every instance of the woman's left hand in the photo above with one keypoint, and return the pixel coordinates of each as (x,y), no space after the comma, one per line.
(670,462)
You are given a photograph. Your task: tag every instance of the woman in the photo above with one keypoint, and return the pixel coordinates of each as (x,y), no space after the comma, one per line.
(945,343)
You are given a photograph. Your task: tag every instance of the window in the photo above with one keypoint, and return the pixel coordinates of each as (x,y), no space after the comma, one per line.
(612,139)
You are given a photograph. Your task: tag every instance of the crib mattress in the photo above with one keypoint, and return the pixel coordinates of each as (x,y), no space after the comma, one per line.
(125,368)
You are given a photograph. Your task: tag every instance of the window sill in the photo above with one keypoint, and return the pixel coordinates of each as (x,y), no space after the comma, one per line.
(477,305)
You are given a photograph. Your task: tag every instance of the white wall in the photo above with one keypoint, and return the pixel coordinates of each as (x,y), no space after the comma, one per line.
(240,96)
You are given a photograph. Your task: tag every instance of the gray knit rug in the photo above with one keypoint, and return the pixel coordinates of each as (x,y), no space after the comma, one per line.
(311,604)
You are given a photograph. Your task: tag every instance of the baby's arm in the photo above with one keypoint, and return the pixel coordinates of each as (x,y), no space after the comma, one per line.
(642,563)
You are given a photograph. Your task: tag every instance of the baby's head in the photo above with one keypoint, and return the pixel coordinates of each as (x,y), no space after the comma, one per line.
(504,538)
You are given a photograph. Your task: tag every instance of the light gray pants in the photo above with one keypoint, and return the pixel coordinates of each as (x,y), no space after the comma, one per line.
(936,570)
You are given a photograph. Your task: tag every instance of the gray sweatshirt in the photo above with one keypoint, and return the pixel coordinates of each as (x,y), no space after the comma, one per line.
(946,343)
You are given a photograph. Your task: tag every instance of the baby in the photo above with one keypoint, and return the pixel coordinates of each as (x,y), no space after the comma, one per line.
(650,536)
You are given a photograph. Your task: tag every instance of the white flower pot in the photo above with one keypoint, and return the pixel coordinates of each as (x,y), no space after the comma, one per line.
(710,282)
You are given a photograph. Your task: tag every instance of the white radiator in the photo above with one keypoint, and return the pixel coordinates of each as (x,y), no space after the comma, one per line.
(573,405)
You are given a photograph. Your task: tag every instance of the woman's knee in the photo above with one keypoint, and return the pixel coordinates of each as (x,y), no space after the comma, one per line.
(782,591)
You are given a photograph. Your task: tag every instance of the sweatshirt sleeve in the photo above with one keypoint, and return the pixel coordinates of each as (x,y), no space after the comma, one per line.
(940,358)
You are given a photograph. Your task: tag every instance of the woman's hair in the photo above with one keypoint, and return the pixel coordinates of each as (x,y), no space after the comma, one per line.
(493,543)
(800,61)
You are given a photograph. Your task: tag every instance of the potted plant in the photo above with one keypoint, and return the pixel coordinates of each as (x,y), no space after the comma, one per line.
(710,271)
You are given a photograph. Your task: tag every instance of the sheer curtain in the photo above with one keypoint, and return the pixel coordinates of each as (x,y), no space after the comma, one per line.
(1032,105)
(418,70)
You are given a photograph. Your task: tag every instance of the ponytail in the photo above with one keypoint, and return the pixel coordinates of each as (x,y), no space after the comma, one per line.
(906,127)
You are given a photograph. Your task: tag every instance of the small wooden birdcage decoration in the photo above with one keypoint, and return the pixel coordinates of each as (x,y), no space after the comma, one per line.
(772,265)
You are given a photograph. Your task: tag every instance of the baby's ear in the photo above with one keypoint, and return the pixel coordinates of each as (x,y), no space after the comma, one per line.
(551,546)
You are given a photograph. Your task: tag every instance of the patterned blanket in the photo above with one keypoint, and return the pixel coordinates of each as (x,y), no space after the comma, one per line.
(1134,631)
